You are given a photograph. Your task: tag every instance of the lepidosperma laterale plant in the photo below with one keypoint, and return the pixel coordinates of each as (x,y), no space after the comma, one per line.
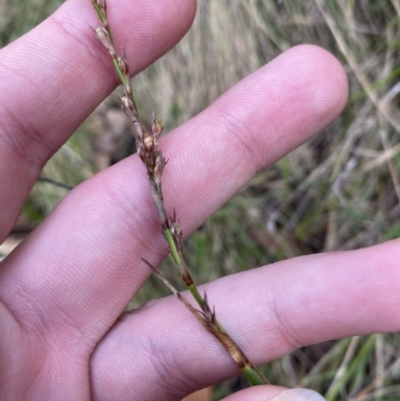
(154,162)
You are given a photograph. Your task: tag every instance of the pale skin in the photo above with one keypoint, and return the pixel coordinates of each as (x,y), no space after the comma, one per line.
(63,290)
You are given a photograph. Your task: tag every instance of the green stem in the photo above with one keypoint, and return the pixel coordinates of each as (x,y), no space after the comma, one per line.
(192,287)
(99,12)
(120,75)
(172,246)
(253,376)
(251,373)
(103,20)
(177,258)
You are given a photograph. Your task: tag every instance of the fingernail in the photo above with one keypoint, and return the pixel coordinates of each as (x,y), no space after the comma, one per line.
(298,394)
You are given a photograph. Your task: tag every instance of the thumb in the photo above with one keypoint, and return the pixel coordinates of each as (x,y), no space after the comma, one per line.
(295,394)
(275,393)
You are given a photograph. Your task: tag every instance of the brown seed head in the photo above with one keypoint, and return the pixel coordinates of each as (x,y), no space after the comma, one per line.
(158,168)
(104,38)
(102,5)
(128,89)
(208,314)
(129,108)
(126,102)
(148,142)
(156,127)
(130,111)
(123,63)
(177,233)
(176,230)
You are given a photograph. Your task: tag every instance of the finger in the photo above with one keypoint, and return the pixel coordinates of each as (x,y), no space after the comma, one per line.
(89,249)
(57,74)
(269,311)
(275,393)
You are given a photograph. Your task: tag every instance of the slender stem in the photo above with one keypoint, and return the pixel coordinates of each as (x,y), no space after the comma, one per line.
(120,75)
(172,247)
(103,19)
(154,162)
(99,12)
(253,375)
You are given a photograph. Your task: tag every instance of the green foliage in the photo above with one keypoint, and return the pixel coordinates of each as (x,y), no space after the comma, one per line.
(18,17)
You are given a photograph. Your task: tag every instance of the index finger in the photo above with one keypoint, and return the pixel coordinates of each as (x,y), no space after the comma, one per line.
(58,73)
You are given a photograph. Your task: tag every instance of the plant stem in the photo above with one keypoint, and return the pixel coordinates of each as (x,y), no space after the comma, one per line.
(151,156)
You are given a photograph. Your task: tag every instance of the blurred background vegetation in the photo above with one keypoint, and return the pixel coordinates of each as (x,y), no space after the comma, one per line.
(340,190)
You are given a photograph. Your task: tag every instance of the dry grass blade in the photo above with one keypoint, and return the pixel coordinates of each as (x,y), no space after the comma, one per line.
(53,182)
(351,349)
(357,70)
(380,104)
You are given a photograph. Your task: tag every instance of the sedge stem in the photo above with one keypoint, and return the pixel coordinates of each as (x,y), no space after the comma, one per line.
(253,376)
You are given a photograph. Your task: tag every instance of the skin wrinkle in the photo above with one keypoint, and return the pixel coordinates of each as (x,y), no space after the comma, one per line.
(286,96)
(176,382)
(249,156)
(232,118)
(184,167)
(12,169)
(153,249)
(95,273)
(180,383)
(58,368)
(321,322)
(42,120)
(127,375)
(317,102)
(210,144)
(82,196)
(26,308)
(139,211)
(286,331)
(87,50)
(157,365)
(64,110)
(25,150)
(27,346)
(64,324)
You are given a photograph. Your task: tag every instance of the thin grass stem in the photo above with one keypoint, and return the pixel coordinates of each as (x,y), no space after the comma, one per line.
(151,156)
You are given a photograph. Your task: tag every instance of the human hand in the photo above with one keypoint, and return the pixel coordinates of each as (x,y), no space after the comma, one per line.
(61,334)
